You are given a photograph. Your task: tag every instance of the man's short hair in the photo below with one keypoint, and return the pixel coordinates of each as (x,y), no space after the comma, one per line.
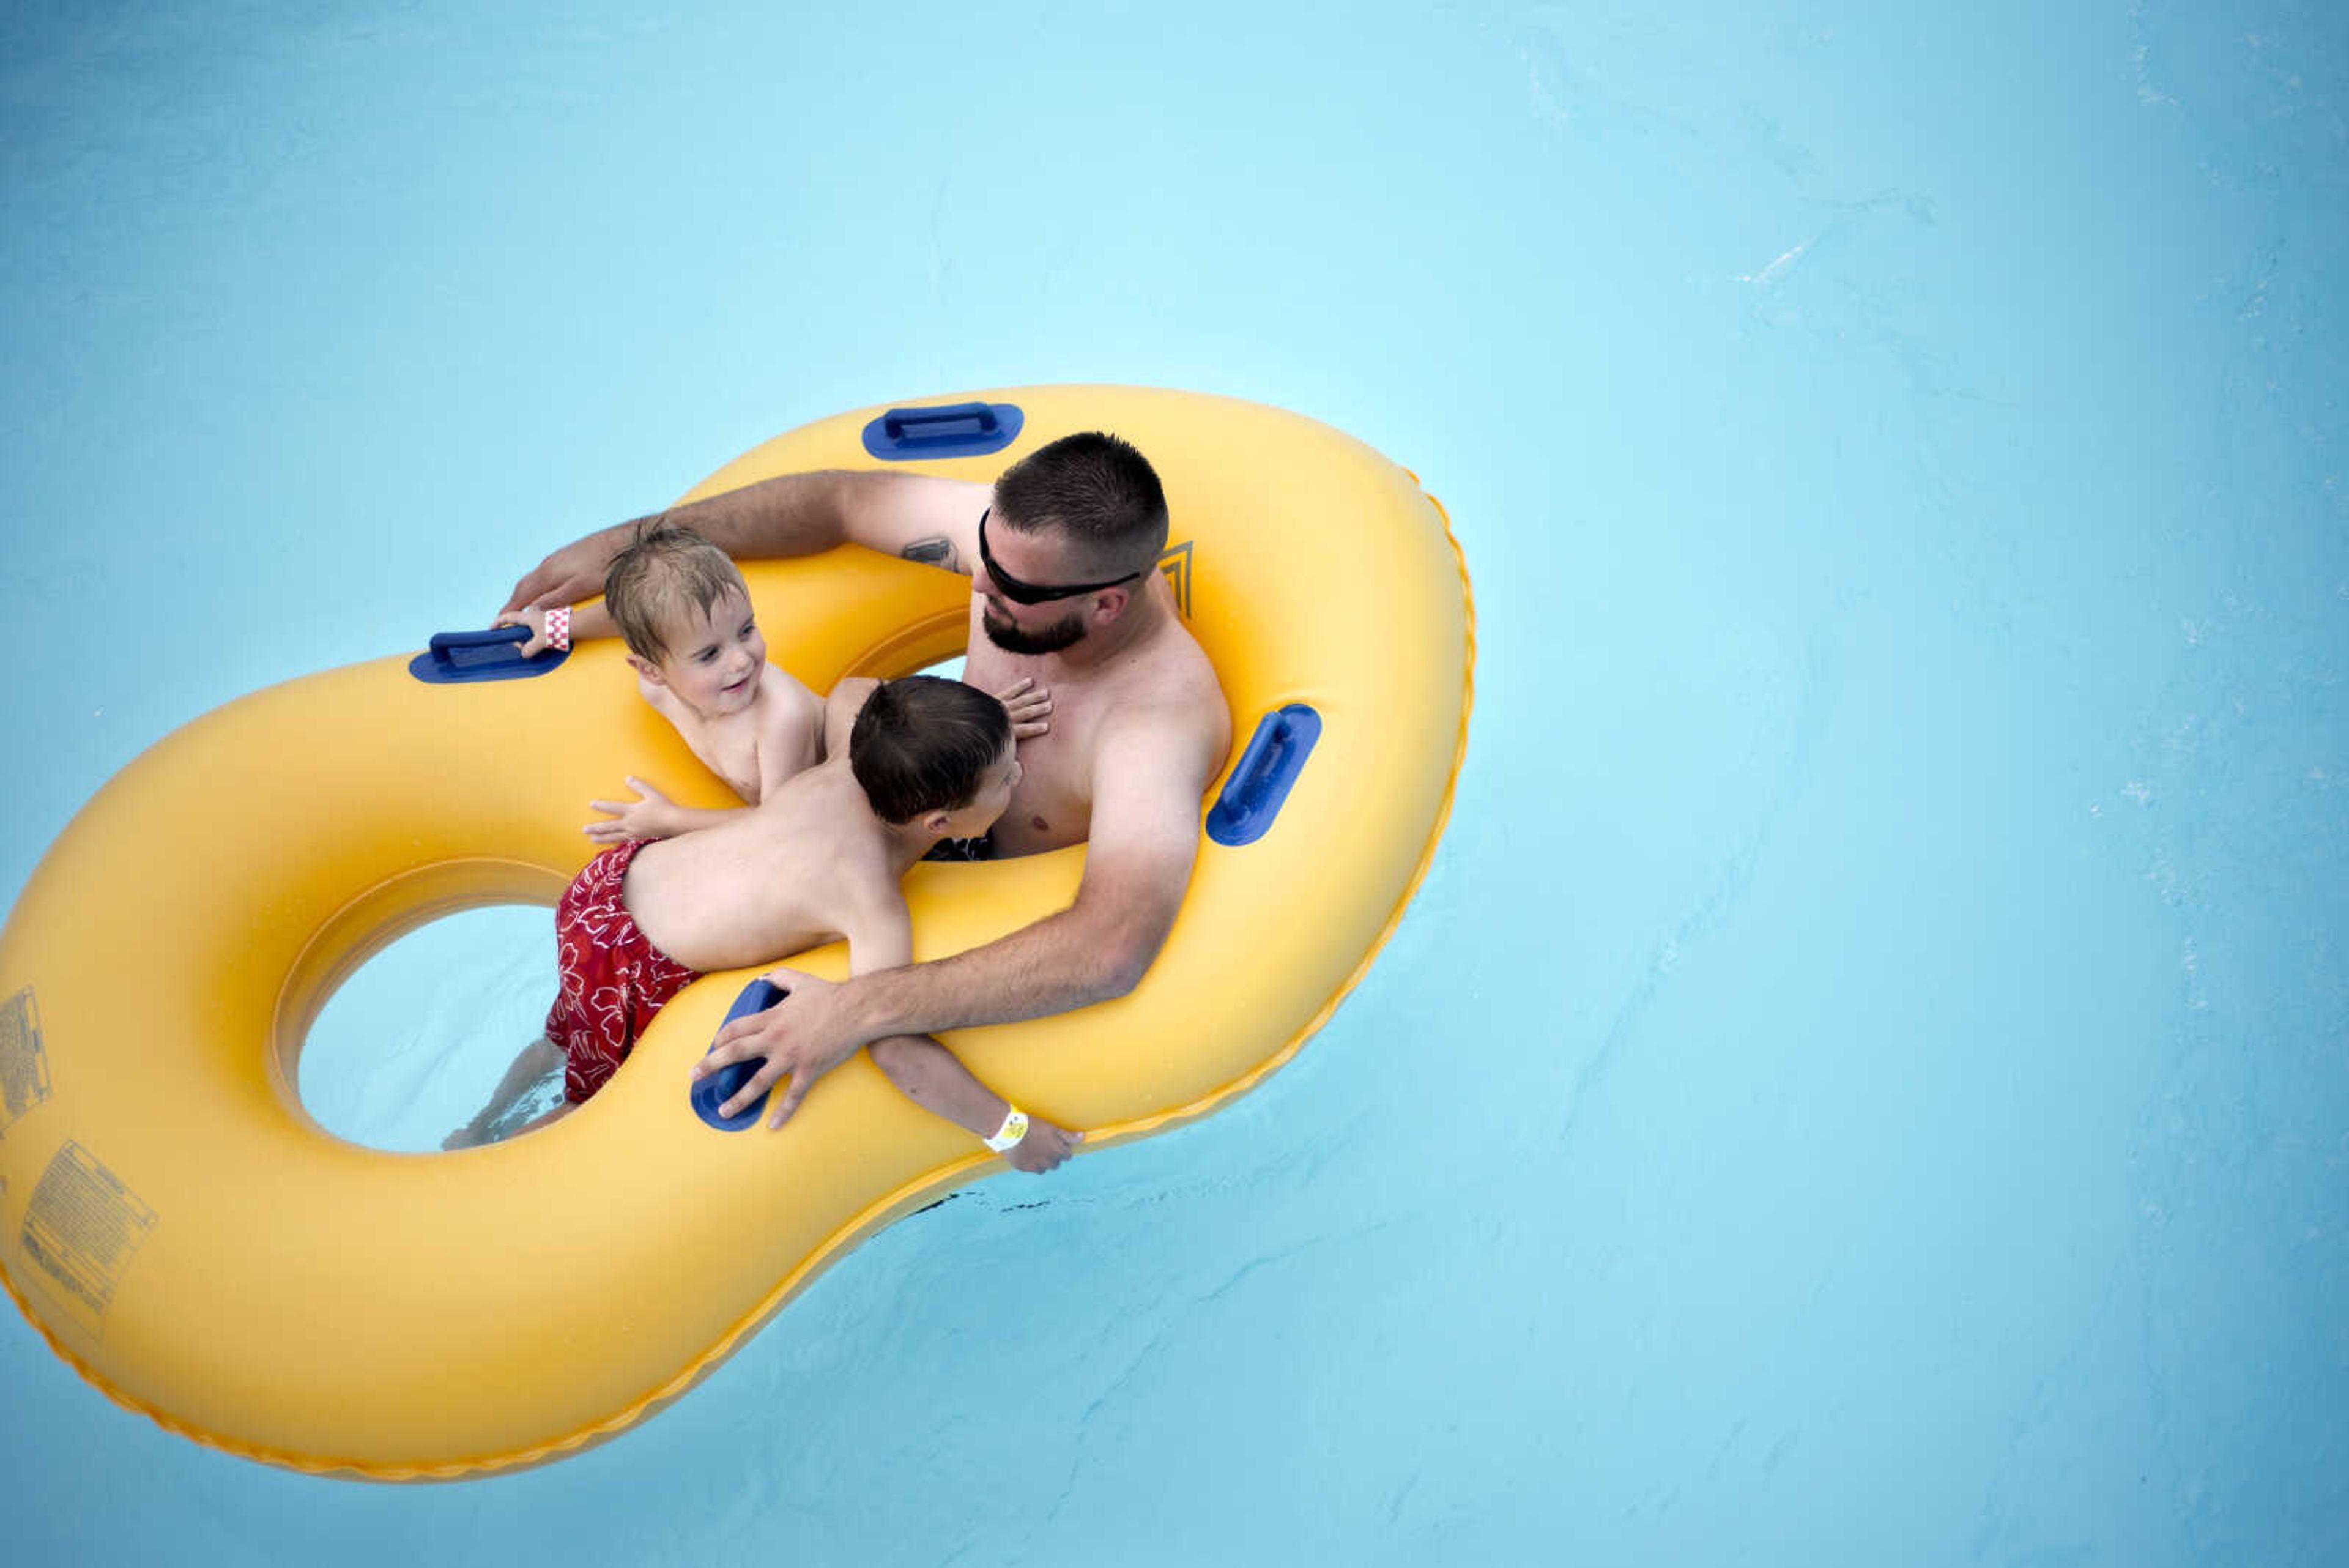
(1098,490)
(922,743)
(664,569)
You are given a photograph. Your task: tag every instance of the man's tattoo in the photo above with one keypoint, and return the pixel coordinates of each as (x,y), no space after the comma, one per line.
(936,551)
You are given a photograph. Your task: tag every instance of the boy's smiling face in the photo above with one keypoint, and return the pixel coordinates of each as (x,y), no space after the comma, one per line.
(714,656)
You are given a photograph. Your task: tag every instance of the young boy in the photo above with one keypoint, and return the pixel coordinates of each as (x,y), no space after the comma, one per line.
(698,658)
(682,609)
(819,858)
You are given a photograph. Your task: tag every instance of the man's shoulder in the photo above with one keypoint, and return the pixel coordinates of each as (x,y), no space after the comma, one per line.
(1175,700)
(1176,681)
(1170,662)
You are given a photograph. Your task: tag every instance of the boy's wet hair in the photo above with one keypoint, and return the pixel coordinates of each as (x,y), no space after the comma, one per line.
(664,569)
(1098,490)
(921,745)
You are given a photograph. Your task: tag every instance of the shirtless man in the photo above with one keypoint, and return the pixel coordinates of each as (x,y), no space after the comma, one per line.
(1063,552)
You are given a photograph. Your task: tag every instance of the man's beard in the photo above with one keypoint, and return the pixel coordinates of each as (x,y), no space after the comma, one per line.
(1007,636)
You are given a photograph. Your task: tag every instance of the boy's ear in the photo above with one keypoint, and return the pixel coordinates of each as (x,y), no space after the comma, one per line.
(646,669)
(933,822)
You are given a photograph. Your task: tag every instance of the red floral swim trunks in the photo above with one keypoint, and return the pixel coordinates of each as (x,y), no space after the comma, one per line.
(614,979)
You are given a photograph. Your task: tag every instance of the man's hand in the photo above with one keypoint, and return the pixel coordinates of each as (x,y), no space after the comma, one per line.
(573,573)
(1030,707)
(652,816)
(805,1036)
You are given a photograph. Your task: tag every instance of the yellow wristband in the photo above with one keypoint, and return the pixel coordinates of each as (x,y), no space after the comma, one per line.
(1014,1128)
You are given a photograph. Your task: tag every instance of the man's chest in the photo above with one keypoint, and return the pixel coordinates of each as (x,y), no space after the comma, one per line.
(1052,805)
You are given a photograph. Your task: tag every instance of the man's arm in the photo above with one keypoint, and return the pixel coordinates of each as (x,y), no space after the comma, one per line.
(1152,770)
(917,515)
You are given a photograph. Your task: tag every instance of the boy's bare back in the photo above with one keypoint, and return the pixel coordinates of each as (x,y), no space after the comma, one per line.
(811,863)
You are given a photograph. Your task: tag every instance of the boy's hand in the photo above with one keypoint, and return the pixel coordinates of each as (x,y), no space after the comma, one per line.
(1045,1147)
(1030,707)
(533,619)
(654,816)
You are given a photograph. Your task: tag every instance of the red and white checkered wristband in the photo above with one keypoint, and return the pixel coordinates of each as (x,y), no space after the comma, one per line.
(558,627)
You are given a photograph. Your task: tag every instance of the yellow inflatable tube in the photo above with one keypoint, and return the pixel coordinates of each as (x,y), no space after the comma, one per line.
(184,1235)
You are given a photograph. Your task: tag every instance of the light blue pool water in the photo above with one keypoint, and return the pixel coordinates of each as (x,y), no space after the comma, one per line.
(1868,1079)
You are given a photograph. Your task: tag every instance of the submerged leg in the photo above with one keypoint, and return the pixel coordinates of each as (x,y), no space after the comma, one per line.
(539,1059)
(547,1118)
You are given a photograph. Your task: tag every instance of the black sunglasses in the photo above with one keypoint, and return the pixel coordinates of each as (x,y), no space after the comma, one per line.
(1022,593)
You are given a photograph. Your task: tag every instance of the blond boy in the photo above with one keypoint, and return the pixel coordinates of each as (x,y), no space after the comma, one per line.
(701,660)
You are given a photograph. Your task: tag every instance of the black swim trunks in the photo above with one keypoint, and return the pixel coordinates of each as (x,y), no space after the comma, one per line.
(979,848)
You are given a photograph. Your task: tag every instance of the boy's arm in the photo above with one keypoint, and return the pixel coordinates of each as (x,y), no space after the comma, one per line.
(590,620)
(929,1074)
(918,516)
(652,816)
(791,736)
(840,710)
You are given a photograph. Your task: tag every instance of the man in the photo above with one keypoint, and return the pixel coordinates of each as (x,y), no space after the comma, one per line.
(1062,554)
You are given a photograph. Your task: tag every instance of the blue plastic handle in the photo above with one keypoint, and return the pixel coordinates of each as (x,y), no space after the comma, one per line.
(947,423)
(1267,771)
(721,1086)
(446,642)
(949,430)
(457,658)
